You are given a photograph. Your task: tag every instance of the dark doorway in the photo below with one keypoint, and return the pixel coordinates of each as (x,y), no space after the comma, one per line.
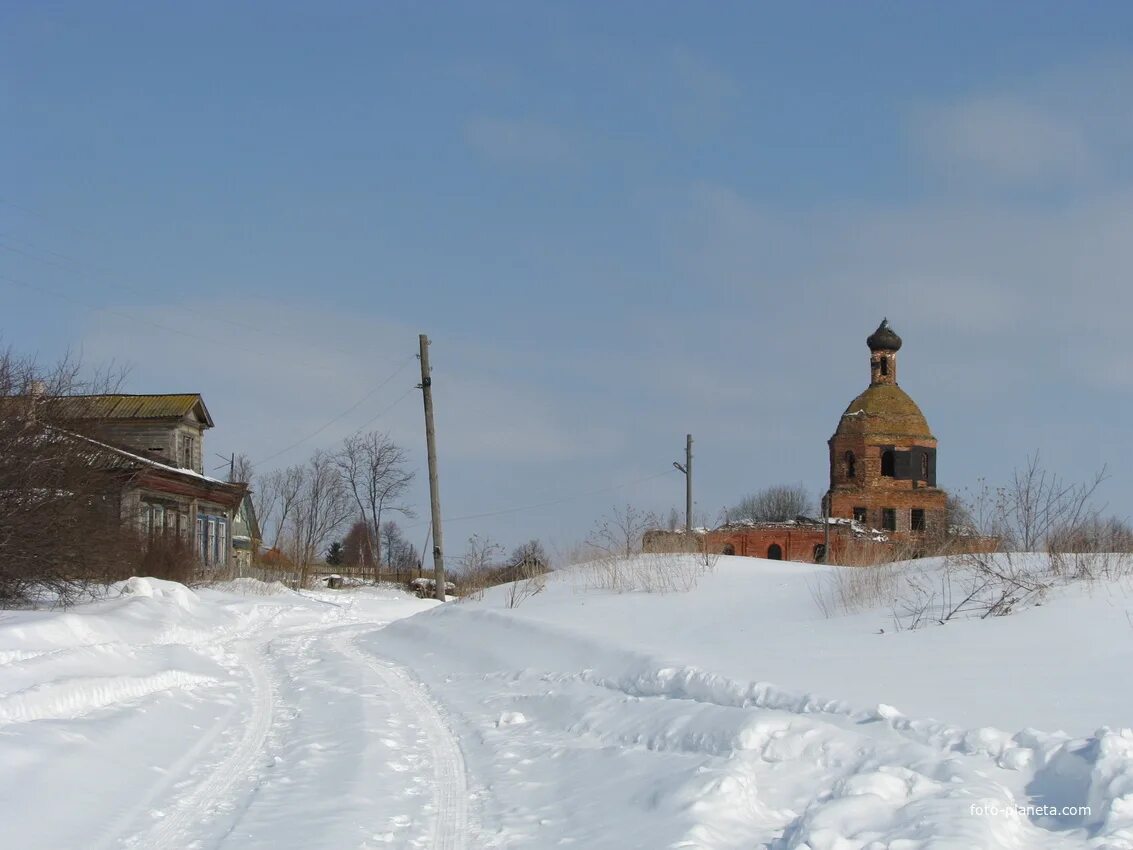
(729,549)
(774,552)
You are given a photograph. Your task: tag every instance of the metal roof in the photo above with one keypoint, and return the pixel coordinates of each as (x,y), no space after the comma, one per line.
(166,406)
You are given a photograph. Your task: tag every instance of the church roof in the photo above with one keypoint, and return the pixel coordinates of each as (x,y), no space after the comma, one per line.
(884,338)
(884,410)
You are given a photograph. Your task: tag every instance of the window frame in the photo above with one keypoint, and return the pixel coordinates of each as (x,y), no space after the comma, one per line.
(888,519)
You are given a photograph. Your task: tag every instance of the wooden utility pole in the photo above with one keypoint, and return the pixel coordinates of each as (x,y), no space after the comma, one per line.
(688,485)
(686,468)
(826,527)
(426,386)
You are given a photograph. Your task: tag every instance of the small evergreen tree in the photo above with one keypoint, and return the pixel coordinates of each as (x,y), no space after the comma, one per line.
(334,554)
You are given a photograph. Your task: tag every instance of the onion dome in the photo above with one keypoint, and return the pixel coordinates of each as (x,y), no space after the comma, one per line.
(884,338)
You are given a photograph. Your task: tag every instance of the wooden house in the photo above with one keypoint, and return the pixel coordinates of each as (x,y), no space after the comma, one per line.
(161,438)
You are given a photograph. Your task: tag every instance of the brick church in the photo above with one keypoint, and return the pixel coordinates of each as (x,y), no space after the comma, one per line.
(882,482)
(883,455)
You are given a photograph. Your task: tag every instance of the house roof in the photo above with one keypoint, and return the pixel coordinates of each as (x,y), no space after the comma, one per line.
(118,406)
(231,492)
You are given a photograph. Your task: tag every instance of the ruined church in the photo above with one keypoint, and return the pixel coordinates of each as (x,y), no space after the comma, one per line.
(883,455)
(882,488)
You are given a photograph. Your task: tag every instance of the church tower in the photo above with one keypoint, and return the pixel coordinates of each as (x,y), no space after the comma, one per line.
(883,455)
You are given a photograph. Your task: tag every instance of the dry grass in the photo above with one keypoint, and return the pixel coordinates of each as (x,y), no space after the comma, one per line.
(654,573)
(846,590)
(971,585)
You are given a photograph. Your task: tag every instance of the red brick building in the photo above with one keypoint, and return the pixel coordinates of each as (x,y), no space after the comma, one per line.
(883,455)
(882,495)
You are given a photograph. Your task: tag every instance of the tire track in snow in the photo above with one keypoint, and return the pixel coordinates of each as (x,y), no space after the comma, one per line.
(451,787)
(177,827)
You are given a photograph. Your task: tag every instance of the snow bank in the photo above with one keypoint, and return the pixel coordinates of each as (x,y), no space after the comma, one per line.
(737,715)
(109,704)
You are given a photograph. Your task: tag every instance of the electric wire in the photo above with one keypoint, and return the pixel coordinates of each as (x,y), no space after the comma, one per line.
(558,501)
(78,267)
(347,412)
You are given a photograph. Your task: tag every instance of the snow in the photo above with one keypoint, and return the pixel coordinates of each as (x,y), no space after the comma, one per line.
(732,715)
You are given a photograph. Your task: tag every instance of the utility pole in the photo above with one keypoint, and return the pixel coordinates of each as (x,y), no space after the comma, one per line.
(426,386)
(686,468)
(826,527)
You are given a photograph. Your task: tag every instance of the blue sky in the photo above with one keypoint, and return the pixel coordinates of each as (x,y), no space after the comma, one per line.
(618,222)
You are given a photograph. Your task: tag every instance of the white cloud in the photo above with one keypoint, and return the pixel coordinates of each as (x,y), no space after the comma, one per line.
(701,95)
(520,141)
(1004,139)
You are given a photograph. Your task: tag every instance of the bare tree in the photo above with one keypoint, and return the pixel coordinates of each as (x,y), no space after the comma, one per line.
(530,556)
(1035,508)
(477,565)
(356,550)
(374,470)
(1094,534)
(323,506)
(241,469)
(61,520)
(400,554)
(279,496)
(777,503)
(619,532)
(481,555)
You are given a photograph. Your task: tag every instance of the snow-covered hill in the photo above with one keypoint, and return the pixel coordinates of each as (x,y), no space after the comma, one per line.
(733,715)
(737,715)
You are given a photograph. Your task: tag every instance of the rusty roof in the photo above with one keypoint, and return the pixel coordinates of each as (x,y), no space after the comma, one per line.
(884,411)
(164,406)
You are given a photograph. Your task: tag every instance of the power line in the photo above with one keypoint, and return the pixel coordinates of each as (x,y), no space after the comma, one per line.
(94,308)
(183,332)
(115,280)
(386,410)
(347,412)
(552,503)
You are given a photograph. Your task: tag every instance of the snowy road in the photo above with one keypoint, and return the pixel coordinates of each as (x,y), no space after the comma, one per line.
(336,748)
(279,731)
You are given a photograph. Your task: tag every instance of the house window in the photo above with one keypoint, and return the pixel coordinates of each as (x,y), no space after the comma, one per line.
(187,452)
(860,514)
(220,555)
(212,540)
(889,519)
(202,538)
(153,519)
(888,463)
(851,465)
(917,519)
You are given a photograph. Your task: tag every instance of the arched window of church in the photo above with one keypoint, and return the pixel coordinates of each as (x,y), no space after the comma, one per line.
(887,463)
(851,465)
(924,466)
(884,366)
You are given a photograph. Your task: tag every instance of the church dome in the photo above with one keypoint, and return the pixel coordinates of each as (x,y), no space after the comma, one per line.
(884,410)
(884,338)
